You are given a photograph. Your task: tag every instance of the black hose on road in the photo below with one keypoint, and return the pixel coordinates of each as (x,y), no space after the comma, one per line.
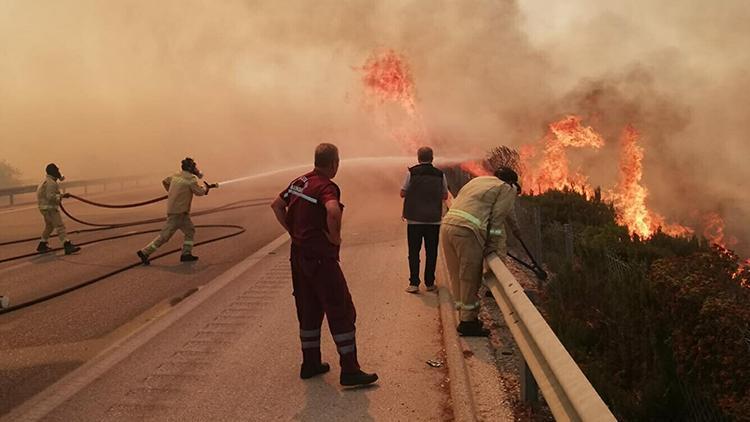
(100,227)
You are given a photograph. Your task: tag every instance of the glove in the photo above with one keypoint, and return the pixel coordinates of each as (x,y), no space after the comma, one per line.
(210,186)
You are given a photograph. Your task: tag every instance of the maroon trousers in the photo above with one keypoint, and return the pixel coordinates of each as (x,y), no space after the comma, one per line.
(320,289)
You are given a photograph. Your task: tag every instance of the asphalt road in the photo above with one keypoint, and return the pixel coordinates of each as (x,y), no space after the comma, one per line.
(42,343)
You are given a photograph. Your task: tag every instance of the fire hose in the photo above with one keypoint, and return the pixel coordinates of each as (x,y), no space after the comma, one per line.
(534,266)
(100,227)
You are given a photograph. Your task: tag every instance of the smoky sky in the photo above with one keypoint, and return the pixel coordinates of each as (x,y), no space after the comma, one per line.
(244,86)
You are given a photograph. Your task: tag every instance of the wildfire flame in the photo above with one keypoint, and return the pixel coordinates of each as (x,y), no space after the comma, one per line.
(630,199)
(553,172)
(742,275)
(543,166)
(630,196)
(387,80)
(713,230)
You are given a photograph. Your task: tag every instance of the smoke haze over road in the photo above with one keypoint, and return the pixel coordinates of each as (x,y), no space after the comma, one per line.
(246,86)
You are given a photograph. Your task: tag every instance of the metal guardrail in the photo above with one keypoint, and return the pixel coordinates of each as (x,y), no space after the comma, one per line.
(12,192)
(569,394)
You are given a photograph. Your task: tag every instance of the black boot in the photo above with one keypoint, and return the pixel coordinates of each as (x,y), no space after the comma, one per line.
(357,378)
(143,257)
(188,257)
(43,247)
(472,329)
(70,248)
(309,371)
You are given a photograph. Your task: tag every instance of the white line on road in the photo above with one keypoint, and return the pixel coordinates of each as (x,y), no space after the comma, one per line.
(53,396)
(19,209)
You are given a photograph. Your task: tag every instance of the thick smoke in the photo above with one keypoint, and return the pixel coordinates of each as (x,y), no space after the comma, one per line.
(243,86)
(103,87)
(677,71)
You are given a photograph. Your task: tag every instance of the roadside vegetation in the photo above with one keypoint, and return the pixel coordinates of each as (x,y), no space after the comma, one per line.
(660,326)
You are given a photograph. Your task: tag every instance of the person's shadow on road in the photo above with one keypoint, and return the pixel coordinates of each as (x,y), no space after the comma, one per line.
(325,401)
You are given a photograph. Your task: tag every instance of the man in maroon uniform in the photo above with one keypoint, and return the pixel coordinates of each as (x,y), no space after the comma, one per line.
(310,210)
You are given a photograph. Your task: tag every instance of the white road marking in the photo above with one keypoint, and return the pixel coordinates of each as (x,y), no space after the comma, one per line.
(53,396)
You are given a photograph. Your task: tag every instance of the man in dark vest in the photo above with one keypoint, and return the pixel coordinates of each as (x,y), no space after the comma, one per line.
(424,191)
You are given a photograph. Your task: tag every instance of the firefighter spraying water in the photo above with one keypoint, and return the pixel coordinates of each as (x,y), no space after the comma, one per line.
(181,187)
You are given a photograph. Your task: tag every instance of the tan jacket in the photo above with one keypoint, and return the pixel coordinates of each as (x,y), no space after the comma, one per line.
(181,187)
(485,206)
(48,194)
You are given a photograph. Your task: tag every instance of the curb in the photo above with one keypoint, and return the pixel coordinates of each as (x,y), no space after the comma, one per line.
(460,385)
(47,400)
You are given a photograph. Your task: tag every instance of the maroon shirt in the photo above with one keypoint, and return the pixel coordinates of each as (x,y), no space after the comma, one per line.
(306,214)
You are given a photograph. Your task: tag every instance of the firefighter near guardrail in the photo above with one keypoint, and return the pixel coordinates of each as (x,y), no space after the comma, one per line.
(473,228)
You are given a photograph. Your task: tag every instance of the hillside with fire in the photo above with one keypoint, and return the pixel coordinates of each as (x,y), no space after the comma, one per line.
(655,311)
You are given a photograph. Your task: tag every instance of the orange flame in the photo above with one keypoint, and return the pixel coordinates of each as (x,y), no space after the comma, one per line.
(742,274)
(387,80)
(630,196)
(713,230)
(630,199)
(553,172)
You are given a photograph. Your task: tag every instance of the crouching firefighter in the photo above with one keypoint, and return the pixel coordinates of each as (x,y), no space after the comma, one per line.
(181,187)
(48,198)
(474,227)
(310,210)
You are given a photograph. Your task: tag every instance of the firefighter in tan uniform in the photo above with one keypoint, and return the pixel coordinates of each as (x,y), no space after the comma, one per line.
(48,198)
(181,187)
(474,227)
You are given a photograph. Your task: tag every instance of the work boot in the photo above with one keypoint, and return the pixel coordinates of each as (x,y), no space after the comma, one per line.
(357,378)
(144,258)
(430,288)
(70,248)
(412,289)
(309,371)
(472,329)
(188,257)
(43,247)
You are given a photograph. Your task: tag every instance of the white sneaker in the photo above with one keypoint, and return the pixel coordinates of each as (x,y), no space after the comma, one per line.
(412,289)
(431,288)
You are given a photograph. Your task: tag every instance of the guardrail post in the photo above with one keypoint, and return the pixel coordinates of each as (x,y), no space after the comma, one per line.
(529,388)
(85,189)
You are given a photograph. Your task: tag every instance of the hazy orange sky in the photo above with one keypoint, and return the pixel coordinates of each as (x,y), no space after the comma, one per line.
(243,86)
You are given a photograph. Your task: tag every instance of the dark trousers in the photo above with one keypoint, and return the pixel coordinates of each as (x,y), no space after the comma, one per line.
(320,289)
(415,233)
